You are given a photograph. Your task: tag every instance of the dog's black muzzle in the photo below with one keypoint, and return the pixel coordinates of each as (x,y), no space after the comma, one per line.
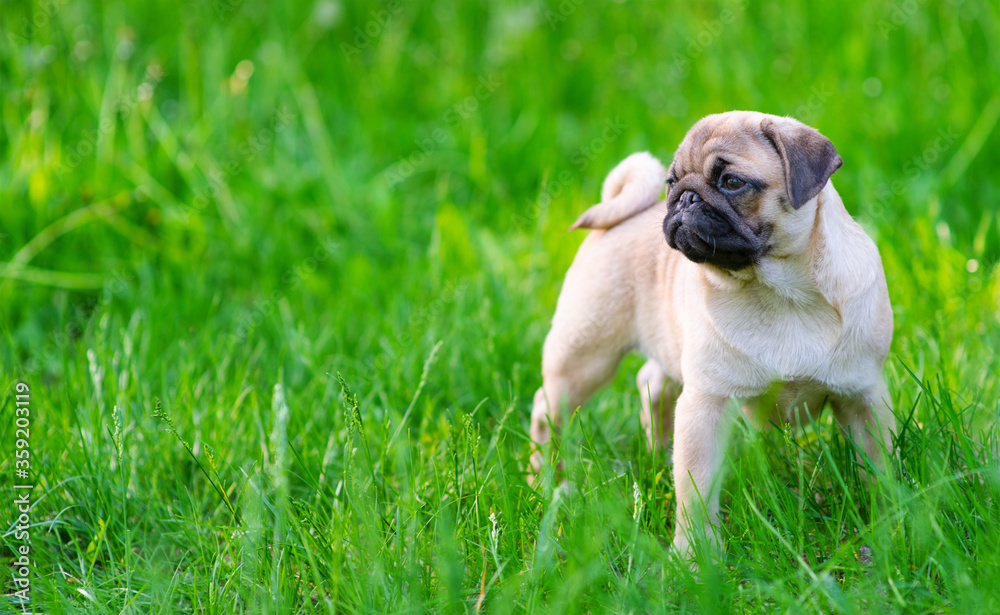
(711,232)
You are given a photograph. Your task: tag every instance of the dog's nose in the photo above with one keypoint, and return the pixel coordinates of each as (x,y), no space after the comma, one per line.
(690,197)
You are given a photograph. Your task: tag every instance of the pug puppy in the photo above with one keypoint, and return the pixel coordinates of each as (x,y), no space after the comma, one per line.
(750,273)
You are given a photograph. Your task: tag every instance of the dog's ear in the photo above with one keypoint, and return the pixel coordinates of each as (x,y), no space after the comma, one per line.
(809,158)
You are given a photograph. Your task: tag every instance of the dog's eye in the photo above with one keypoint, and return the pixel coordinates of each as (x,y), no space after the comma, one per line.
(731,182)
(670,182)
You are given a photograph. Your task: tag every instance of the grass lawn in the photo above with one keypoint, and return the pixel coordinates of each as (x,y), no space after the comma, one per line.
(276,275)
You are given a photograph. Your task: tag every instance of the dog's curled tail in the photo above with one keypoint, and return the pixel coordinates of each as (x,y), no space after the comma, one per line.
(631,187)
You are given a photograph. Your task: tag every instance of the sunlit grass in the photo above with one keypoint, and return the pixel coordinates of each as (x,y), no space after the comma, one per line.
(312,269)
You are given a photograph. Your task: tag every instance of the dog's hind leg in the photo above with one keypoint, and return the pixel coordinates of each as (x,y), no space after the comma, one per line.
(581,353)
(569,377)
(592,330)
(658,395)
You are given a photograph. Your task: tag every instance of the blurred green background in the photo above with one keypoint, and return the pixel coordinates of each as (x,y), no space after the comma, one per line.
(200,201)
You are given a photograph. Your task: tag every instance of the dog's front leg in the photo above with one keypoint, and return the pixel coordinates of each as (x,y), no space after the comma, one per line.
(702,424)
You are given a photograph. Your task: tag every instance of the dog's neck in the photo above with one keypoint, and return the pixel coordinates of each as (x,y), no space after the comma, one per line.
(792,278)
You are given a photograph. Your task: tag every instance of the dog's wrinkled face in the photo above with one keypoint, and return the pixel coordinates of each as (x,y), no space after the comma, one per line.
(737,182)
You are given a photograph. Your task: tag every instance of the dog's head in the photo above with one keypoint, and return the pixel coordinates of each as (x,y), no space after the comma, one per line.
(742,186)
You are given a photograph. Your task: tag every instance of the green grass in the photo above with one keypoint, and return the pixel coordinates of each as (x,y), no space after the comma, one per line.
(316,295)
